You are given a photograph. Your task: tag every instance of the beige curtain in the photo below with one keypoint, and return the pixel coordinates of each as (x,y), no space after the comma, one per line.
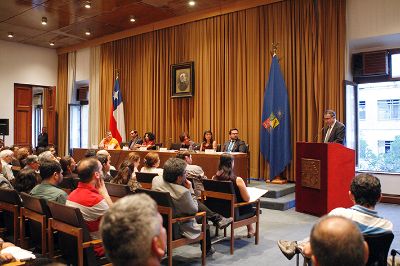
(232,60)
(62,103)
(94,96)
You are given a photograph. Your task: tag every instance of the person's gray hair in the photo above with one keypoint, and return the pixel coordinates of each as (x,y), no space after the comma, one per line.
(102,152)
(31,159)
(5,153)
(46,156)
(128,228)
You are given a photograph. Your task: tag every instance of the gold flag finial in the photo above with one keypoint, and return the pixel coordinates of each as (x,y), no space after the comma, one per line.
(274,51)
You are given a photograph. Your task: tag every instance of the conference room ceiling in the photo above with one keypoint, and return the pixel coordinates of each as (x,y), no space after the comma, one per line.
(69,20)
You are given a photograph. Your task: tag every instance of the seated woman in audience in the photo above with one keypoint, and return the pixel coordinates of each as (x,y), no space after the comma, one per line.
(225,173)
(105,162)
(149,140)
(109,142)
(135,159)
(25,180)
(208,141)
(151,164)
(22,154)
(124,173)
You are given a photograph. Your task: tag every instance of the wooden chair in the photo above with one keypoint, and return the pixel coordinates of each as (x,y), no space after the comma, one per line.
(220,197)
(113,173)
(77,245)
(174,240)
(379,245)
(35,211)
(117,191)
(145,179)
(10,204)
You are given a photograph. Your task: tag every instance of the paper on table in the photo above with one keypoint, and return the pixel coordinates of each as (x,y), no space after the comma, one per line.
(256,193)
(19,253)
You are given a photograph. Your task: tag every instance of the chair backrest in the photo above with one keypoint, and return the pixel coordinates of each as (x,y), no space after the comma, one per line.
(10,196)
(161,198)
(145,179)
(379,245)
(247,148)
(175,146)
(113,173)
(218,147)
(35,204)
(222,205)
(10,203)
(117,191)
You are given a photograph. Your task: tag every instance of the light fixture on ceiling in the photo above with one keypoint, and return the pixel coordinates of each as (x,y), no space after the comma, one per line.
(88,4)
(132,19)
(87,33)
(10,35)
(51,43)
(192,3)
(44,21)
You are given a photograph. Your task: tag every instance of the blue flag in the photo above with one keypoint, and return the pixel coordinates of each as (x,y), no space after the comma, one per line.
(275,142)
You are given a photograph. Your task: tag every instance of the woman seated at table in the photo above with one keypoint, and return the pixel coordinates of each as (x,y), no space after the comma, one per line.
(151,164)
(208,141)
(148,140)
(225,173)
(109,143)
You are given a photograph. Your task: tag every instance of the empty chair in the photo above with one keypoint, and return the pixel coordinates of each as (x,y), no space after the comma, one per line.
(117,191)
(379,245)
(174,239)
(145,179)
(76,244)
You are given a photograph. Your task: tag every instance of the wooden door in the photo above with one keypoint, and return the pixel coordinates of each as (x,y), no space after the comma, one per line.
(50,113)
(22,116)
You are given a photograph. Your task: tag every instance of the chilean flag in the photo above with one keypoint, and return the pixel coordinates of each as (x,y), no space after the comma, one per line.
(117,121)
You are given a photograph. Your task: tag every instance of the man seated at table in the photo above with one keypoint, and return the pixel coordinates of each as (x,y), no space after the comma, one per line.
(234,144)
(186,142)
(135,141)
(109,142)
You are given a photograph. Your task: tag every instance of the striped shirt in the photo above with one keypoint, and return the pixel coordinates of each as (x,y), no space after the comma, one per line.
(93,206)
(367,220)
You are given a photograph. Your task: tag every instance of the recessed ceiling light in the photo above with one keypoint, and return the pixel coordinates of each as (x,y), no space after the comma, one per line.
(10,35)
(88,4)
(44,21)
(88,33)
(51,43)
(132,19)
(192,3)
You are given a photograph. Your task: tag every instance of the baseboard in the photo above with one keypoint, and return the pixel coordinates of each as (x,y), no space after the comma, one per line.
(390,198)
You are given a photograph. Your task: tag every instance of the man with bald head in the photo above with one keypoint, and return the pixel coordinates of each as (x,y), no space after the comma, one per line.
(335,241)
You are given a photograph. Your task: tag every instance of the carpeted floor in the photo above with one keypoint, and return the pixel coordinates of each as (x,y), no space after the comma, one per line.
(274,225)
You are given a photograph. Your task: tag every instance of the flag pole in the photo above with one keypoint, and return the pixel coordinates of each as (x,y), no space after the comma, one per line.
(277,179)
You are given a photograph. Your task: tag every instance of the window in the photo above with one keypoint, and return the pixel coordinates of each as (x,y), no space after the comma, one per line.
(78,126)
(361,110)
(395,65)
(384,146)
(388,109)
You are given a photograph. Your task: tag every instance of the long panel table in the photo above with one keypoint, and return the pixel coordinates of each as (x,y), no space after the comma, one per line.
(208,161)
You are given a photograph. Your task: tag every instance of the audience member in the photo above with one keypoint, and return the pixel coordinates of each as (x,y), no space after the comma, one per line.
(234,144)
(135,141)
(91,197)
(90,153)
(151,164)
(25,180)
(4,183)
(51,174)
(149,140)
(337,241)
(39,150)
(208,141)
(106,153)
(225,173)
(68,166)
(32,162)
(183,197)
(6,157)
(365,193)
(193,171)
(135,159)
(21,156)
(133,233)
(46,156)
(124,173)
(43,138)
(105,165)
(109,142)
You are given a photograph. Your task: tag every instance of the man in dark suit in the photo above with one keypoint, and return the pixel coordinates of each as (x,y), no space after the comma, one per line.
(234,144)
(43,138)
(334,131)
(135,141)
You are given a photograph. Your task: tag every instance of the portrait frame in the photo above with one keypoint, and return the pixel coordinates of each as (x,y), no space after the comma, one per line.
(182,80)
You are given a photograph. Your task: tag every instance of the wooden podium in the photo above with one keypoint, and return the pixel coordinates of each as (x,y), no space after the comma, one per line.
(323,175)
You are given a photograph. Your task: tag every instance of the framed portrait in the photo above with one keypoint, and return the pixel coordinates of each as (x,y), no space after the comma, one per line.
(182,80)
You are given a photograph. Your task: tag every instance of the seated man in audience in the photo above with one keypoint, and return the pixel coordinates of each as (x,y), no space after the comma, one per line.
(109,142)
(135,141)
(133,233)
(105,166)
(193,171)
(365,192)
(182,194)
(32,162)
(68,166)
(91,197)
(4,183)
(51,174)
(6,157)
(335,241)
(46,156)
(106,153)
(234,144)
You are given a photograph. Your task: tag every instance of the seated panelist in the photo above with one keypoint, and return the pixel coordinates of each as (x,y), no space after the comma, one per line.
(208,141)
(109,142)
(186,142)
(148,140)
